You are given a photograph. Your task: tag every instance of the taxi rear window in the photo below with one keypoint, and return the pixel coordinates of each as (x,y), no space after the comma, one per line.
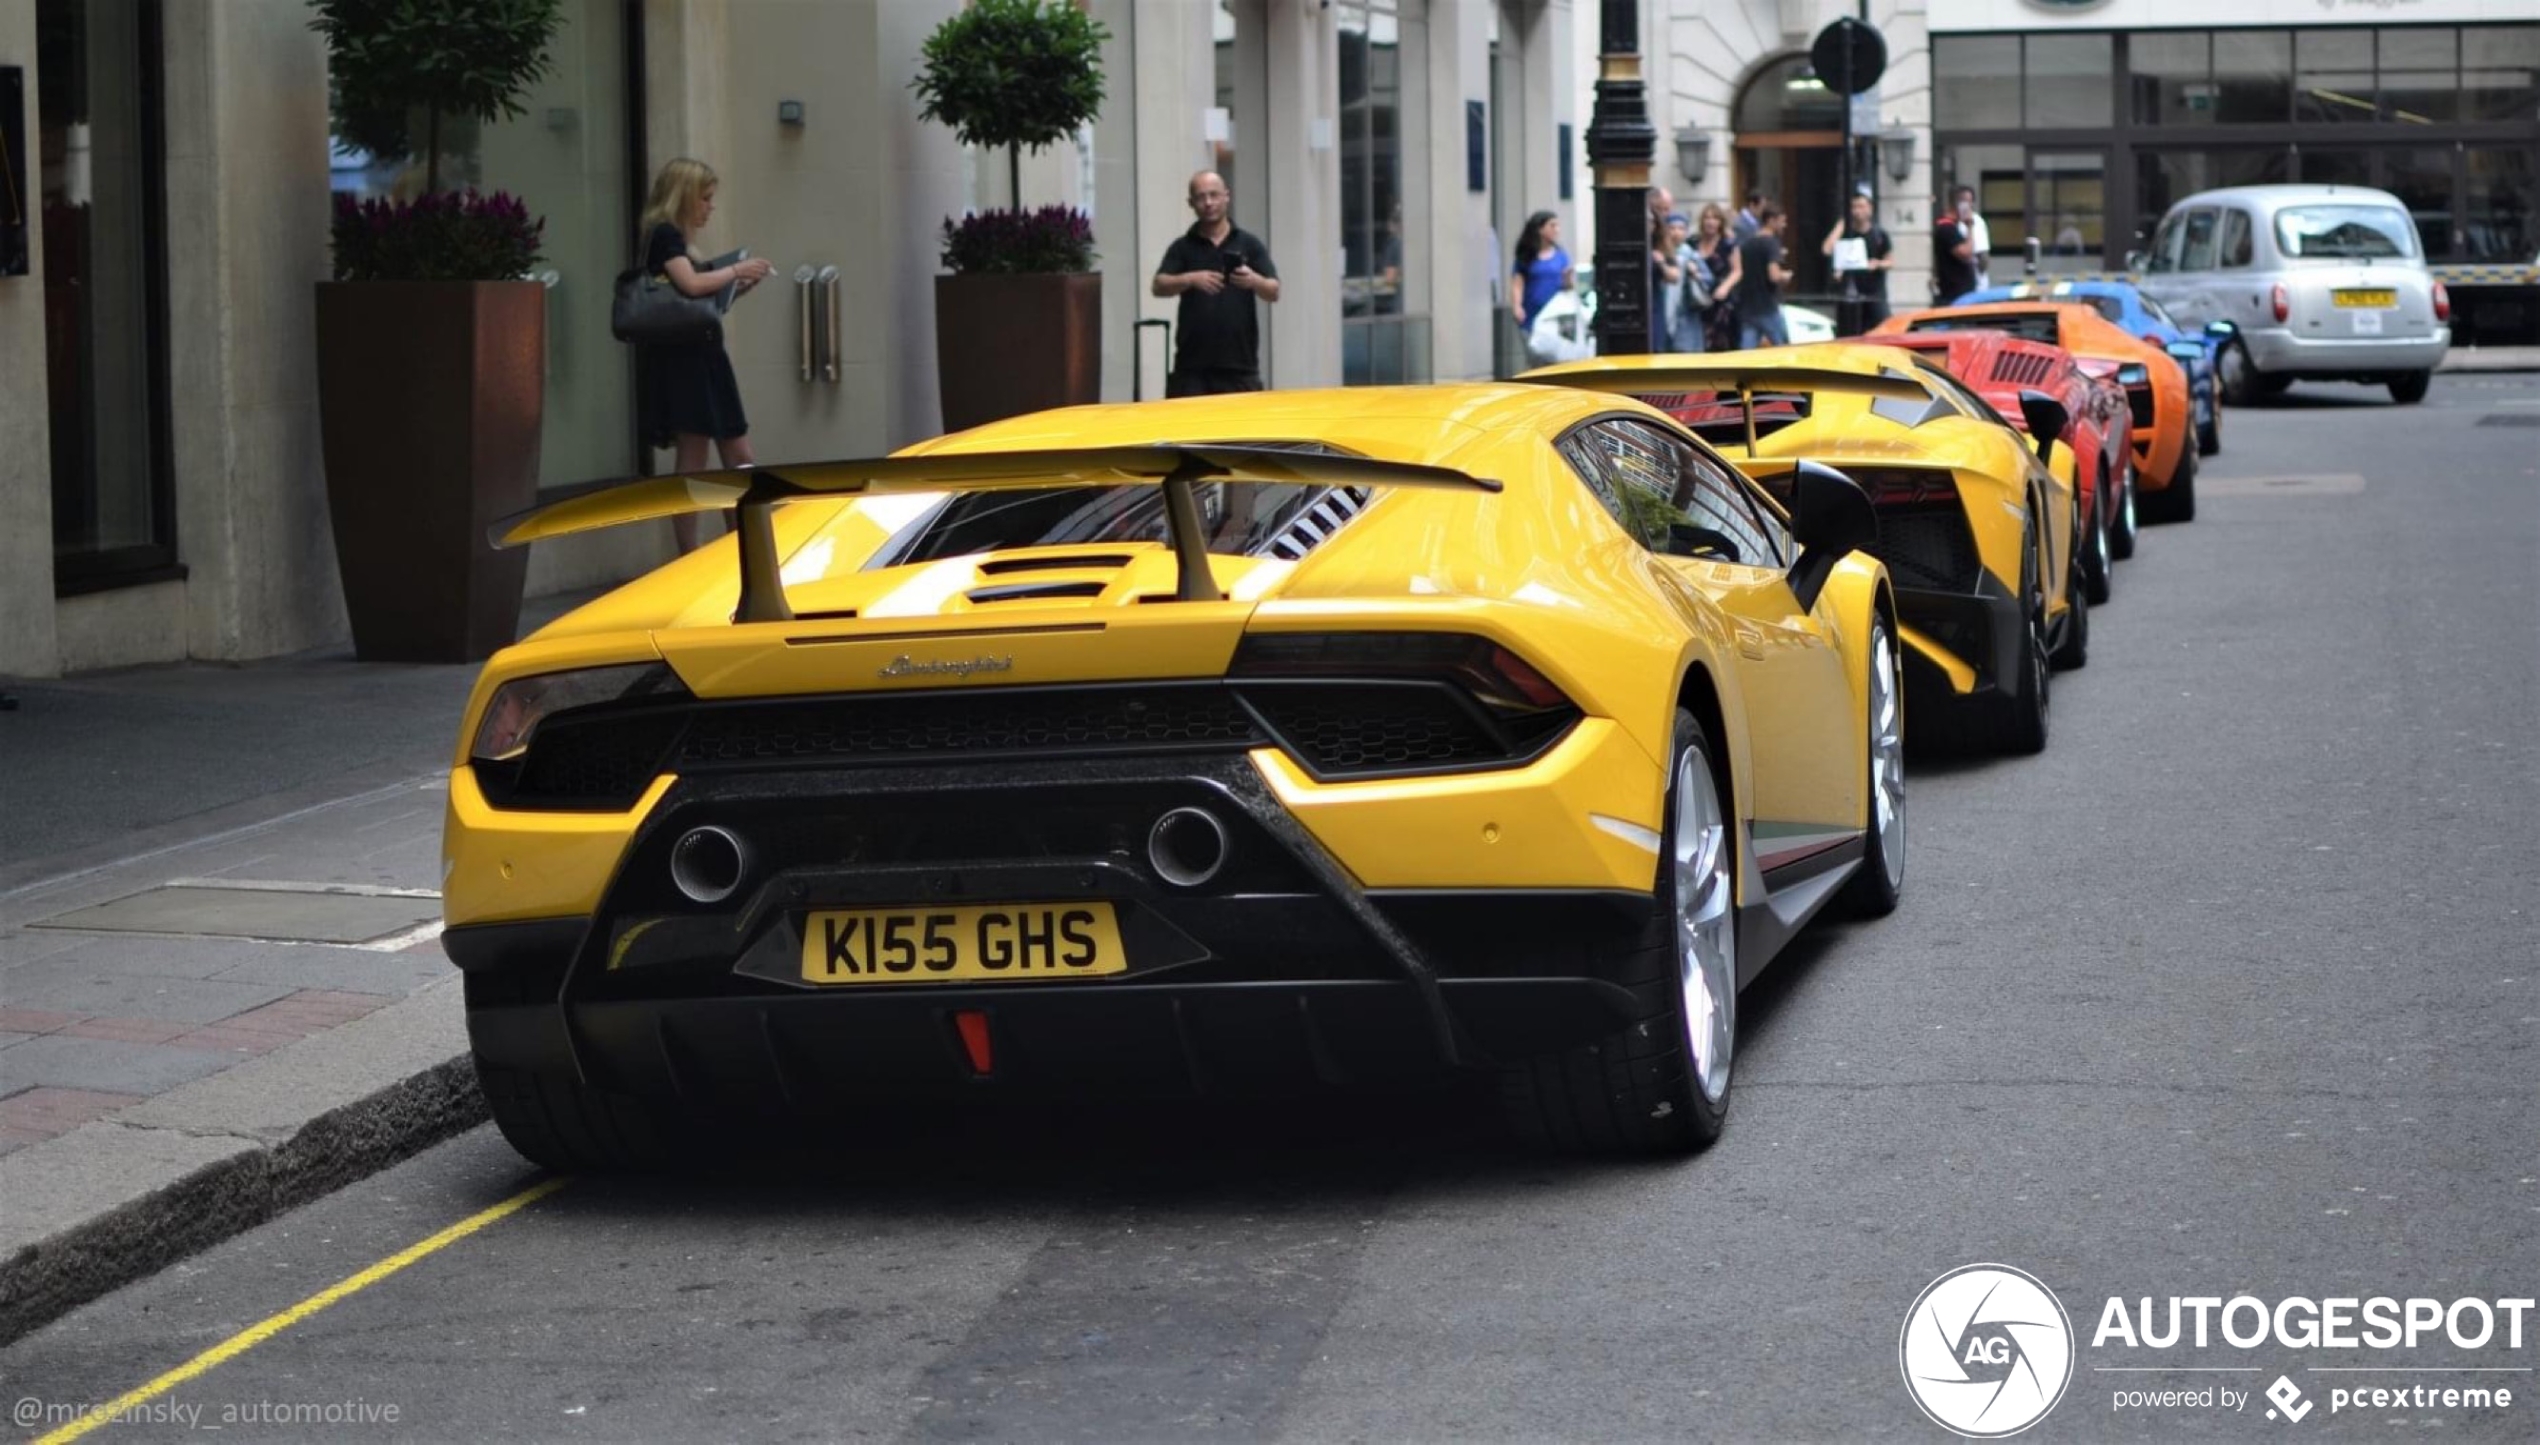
(2344,232)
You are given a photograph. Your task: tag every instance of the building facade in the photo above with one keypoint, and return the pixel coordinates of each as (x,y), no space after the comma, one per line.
(2079,121)
(159,458)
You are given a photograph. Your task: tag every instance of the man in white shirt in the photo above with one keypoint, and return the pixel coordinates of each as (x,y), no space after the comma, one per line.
(1982,236)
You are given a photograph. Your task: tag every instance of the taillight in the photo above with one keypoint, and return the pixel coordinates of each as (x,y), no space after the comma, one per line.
(2283,304)
(2156,339)
(1913,486)
(2442,303)
(1496,677)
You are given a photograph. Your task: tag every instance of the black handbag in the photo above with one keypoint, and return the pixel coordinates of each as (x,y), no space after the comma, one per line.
(649,311)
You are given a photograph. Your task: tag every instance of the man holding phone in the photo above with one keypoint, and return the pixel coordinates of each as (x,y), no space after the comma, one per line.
(1218,269)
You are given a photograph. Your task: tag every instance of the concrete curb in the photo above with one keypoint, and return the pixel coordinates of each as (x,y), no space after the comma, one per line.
(221,1200)
(2491,359)
(120,1198)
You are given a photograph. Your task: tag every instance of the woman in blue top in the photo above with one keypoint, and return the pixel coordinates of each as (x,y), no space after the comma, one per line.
(1543,268)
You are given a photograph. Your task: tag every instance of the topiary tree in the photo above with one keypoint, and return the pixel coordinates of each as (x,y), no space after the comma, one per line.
(390,58)
(1013,73)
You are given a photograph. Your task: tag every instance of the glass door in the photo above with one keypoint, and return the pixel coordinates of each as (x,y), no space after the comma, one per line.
(101,156)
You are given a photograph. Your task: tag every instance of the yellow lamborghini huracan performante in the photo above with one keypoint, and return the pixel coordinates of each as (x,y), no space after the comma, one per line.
(1289,740)
(1980,532)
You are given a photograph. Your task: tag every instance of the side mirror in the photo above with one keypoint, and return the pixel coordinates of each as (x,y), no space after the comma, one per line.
(2134,260)
(1831,517)
(2046,420)
(2221,330)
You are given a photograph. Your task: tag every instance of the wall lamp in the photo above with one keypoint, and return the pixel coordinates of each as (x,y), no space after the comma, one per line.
(1693,155)
(1897,149)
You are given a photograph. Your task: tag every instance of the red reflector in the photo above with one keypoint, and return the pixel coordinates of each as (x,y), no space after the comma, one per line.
(2442,303)
(2283,304)
(973,1024)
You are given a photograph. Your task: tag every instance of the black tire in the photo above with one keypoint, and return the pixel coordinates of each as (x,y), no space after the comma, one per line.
(1633,1092)
(2209,432)
(2269,385)
(2072,650)
(1873,891)
(2017,720)
(2177,501)
(569,1126)
(2410,389)
(2098,553)
(2238,380)
(2123,525)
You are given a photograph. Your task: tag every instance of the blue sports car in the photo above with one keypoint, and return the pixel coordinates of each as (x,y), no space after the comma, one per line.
(2142,316)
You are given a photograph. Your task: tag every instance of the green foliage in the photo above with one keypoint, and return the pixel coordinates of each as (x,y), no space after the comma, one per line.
(388,59)
(465,237)
(1051,239)
(1021,74)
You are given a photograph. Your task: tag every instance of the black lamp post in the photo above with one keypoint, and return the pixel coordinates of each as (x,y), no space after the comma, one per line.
(1621,145)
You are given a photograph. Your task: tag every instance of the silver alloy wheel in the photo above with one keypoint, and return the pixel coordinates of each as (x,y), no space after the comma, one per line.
(1706,924)
(1887,757)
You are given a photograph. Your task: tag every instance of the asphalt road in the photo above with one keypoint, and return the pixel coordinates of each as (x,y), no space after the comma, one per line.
(2233,991)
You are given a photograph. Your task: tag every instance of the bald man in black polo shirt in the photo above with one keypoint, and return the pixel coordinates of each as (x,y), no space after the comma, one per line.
(1217,269)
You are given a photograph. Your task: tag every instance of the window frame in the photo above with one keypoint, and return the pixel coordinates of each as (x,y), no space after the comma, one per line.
(157,560)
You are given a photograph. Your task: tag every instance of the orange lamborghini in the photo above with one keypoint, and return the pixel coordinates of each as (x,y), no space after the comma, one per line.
(2154,382)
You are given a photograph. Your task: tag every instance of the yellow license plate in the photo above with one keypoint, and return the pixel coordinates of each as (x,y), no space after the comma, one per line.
(2376,300)
(998,943)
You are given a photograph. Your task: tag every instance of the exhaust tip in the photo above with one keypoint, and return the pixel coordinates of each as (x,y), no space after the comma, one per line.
(1187,846)
(706,864)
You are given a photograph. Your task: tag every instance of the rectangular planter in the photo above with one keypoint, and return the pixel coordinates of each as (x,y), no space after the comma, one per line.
(1006,345)
(429,400)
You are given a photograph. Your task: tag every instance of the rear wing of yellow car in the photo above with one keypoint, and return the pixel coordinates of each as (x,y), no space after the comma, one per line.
(1729,376)
(754,493)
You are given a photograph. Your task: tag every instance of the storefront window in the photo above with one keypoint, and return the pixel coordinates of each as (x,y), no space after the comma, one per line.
(566,158)
(2253,77)
(1379,342)
(2420,75)
(2332,79)
(2500,72)
(2171,77)
(2068,81)
(2071,195)
(1975,82)
(2422,180)
(100,152)
(2335,167)
(2500,215)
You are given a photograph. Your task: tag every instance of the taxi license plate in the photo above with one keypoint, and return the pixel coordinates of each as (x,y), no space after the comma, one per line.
(2376,300)
(997,943)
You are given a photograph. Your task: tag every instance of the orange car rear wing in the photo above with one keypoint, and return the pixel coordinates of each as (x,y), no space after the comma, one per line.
(755,492)
(1725,376)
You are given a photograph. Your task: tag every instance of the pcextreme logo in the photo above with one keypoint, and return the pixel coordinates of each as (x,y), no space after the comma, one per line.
(1986,1351)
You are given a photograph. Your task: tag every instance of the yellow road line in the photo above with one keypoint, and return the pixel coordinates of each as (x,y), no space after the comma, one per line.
(263,1330)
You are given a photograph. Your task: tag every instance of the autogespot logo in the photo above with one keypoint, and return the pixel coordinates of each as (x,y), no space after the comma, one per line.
(1986,1351)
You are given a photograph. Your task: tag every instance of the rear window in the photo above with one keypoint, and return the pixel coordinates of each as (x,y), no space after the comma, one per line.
(2028,326)
(1718,418)
(1241,519)
(2344,232)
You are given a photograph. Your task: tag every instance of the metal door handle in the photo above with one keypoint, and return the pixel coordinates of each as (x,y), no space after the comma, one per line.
(829,332)
(802,315)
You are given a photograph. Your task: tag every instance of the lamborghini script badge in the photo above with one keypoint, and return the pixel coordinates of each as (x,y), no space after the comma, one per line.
(907,666)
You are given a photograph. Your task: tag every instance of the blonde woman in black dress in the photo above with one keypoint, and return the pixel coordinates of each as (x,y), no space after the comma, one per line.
(686,396)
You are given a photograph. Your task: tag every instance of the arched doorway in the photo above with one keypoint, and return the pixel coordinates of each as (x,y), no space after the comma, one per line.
(1789,145)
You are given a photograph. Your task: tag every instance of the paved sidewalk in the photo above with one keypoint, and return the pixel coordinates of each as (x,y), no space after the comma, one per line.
(221,985)
(2491,358)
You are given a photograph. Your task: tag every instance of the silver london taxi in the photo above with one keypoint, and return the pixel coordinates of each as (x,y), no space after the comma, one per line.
(2321,283)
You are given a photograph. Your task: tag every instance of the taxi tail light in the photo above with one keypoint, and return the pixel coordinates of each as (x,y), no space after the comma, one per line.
(2283,303)
(1497,678)
(2442,303)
